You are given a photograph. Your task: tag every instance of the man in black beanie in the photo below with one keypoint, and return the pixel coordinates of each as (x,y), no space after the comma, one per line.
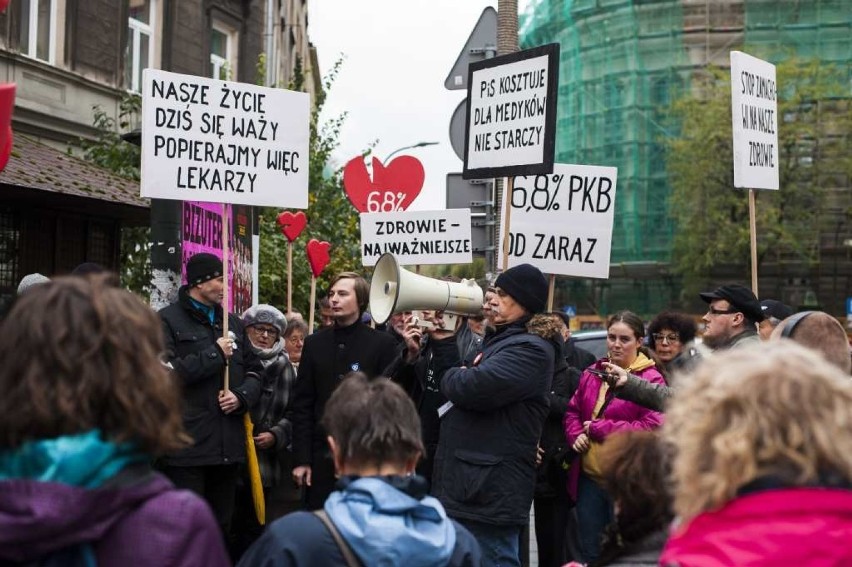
(213,416)
(484,472)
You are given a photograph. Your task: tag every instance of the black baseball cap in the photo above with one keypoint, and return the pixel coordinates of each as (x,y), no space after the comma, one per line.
(776,309)
(740,297)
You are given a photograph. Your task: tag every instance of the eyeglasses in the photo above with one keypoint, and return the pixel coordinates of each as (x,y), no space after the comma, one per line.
(713,311)
(261,331)
(295,339)
(670,338)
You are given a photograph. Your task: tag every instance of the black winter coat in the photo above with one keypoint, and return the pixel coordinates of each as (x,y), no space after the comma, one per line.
(328,356)
(192,352)
(421,379)
(485,465)
(578,358)
(552,479)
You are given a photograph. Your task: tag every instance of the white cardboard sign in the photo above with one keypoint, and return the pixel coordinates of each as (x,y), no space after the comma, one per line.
(754,110)
(223,142)
(562,223)
(511,114)
(417,237)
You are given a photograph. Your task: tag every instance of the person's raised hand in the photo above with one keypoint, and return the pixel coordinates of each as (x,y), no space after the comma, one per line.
(617,373)
(412,334)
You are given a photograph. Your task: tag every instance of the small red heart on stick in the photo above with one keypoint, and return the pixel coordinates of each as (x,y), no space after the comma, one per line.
(292,224)
(318,256)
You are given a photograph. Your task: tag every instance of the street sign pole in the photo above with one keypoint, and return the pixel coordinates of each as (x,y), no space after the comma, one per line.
(482,44)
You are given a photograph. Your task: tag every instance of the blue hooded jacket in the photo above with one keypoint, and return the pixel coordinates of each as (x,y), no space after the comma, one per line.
(385,520)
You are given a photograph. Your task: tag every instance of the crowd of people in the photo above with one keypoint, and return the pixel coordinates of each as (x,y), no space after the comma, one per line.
(199,437)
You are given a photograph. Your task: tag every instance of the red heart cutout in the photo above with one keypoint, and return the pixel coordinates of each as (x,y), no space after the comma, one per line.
(392,188)
(318,256)
(292,224)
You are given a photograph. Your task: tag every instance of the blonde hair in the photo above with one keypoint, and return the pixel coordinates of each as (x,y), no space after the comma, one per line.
(775,409)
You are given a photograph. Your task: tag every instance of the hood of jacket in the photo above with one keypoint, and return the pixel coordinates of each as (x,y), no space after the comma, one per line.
(794,526)
(547,327)
(390,521)
(57,493)
(40,518)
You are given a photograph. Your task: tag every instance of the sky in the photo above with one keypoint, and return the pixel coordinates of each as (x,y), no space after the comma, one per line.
(397,55)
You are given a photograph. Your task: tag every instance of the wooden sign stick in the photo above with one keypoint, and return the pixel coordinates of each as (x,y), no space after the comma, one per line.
(226,308)
(289,277)
(550,292)
(507,199)
(313,301)
(752,222)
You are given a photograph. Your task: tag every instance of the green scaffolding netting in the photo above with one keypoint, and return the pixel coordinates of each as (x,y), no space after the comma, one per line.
(621,64)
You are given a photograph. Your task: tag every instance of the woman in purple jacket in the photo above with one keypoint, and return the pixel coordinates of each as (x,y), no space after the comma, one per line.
(594,413)
(86,405)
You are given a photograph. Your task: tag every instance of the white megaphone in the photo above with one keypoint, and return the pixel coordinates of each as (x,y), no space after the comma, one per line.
(395,289)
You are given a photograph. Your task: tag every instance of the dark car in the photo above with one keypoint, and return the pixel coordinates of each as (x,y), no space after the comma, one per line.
(593,341)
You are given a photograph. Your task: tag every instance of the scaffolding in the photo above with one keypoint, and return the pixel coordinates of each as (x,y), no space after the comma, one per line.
(621,64)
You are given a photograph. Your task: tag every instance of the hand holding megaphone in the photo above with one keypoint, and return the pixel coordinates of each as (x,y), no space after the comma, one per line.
(413,336)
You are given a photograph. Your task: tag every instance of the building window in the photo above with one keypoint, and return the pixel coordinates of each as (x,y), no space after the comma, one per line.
(223,52)
(140,42)
(38,29)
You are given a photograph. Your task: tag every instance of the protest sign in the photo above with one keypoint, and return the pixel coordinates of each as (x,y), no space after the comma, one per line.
(754,110)
(417,237)
(391,187)
(201,230)
(511,114)
(223,142)
(562,222)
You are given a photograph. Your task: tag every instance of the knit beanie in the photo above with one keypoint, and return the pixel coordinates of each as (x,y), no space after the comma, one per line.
(267,314)
(87,269)
(30,280)
(203,267)
(526,285)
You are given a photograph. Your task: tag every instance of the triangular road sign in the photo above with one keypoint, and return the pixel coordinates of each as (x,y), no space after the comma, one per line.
(481,44)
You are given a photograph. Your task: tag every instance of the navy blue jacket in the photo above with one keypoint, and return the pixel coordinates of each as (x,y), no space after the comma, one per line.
(485,465)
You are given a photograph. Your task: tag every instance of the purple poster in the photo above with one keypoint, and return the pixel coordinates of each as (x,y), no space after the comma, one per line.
(202,232)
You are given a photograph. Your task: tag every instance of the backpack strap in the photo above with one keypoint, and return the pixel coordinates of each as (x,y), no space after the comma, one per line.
(348,555)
